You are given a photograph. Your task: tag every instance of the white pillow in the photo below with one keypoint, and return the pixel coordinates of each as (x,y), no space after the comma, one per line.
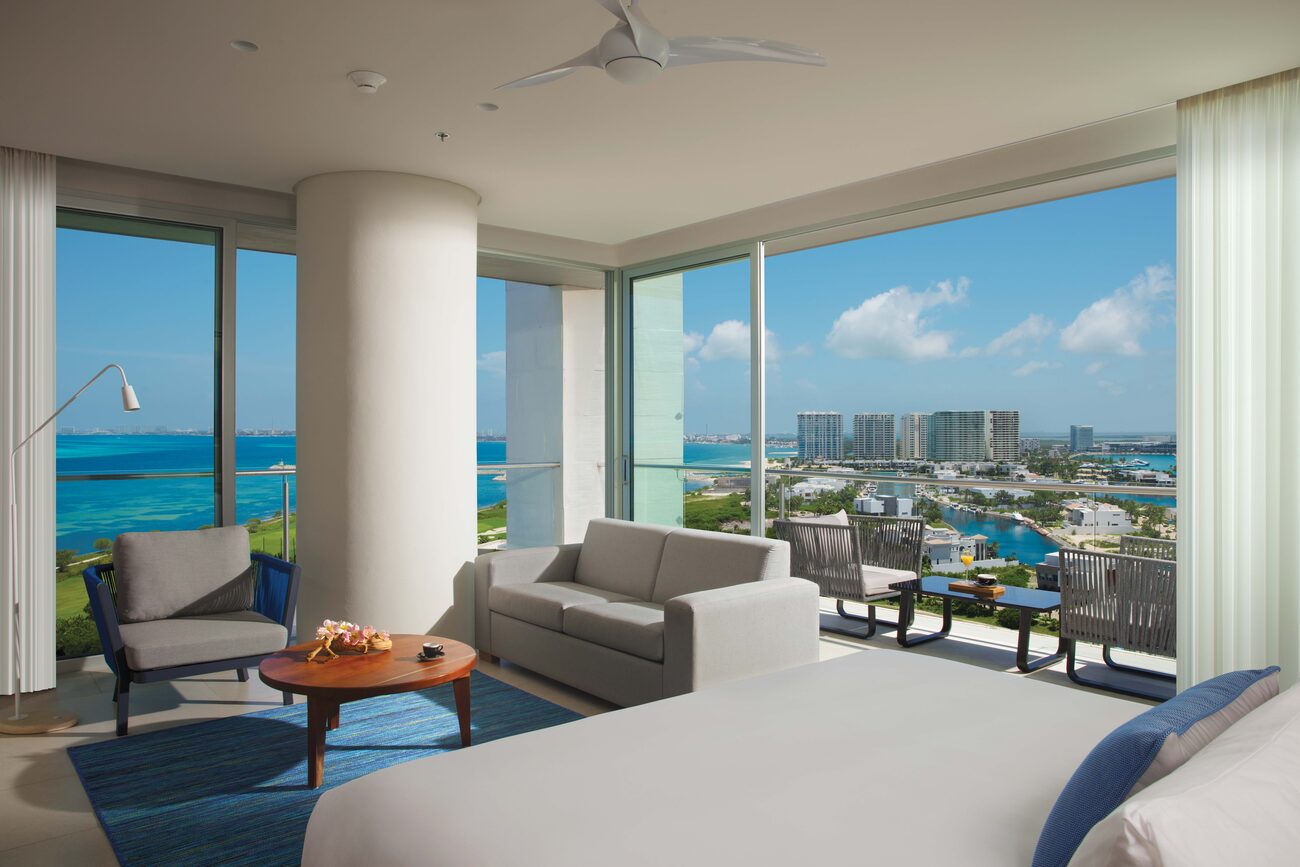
(839,519)
(1234,802)
(1177,749)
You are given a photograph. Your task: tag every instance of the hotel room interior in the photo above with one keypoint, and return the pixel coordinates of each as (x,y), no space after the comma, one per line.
(426,440)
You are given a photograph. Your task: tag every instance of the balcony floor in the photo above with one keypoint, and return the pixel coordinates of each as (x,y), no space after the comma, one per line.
(45,817)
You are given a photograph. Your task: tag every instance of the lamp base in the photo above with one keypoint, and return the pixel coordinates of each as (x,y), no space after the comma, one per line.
(37,722)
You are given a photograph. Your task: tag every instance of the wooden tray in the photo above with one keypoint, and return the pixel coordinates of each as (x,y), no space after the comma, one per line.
(992,591)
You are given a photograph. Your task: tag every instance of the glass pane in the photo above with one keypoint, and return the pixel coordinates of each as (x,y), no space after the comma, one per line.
(491,412)
(690,440)
(1034,346)
(265,332)
(143,295)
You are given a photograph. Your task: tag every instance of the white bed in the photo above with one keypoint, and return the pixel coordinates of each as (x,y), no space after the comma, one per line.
(877,757)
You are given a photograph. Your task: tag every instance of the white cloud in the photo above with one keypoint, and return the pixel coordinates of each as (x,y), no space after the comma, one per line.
(891,325)
(691,341)
(729,340)
(1094,368)
(1027,335)
(1114,325)
(1031,367)
(1112,387)
(493,362)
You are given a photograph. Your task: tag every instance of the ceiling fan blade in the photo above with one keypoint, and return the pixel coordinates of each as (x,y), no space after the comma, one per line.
(588,58)
(688,50)
(632,17)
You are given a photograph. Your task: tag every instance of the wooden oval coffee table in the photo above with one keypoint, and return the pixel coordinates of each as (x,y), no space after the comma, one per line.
(354,676)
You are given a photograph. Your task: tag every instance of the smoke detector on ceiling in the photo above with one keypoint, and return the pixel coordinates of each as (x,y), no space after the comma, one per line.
(366,81)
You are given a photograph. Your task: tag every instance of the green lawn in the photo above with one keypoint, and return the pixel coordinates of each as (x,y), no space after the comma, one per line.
(710,513)
(492,518)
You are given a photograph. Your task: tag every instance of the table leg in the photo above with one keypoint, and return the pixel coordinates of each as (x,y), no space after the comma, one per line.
(317,719)
(461,686)
(906,610)
(1022,646)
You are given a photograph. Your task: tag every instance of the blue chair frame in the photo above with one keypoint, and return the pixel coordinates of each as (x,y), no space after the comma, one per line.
(275,596)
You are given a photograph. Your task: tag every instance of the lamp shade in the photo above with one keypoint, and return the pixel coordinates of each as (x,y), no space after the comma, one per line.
(129,401)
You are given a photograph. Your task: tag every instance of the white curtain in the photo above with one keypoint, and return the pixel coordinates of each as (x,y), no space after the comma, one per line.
(27,222)
(1239,379)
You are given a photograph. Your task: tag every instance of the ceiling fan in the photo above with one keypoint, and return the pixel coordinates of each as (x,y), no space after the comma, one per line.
(633,52)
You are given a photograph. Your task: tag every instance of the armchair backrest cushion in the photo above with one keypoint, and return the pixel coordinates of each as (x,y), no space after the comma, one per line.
(182,574)
(621,556)
(701,560)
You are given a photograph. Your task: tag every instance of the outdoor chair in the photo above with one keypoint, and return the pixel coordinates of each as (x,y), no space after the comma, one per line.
(1118,600)
(854,559)
(183,603)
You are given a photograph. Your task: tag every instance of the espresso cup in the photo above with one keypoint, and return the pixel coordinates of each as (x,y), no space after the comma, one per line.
(431,651)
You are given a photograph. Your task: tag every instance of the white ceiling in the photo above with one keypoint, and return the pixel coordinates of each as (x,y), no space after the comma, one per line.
(153,84)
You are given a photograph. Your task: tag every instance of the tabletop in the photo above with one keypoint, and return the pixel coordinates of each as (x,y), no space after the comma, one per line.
(356,675)
(1014,597)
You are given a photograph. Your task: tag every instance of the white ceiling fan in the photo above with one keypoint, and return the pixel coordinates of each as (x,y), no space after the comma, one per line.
(633,52)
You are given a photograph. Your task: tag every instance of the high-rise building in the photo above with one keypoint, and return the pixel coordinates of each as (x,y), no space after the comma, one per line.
(821,436)
(914,433)
(1080,437)
(1004,434)
(958,436)
(873,436)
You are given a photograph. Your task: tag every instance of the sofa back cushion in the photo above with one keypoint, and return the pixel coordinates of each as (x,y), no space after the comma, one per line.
(182,574)
(701,560)
(621,556)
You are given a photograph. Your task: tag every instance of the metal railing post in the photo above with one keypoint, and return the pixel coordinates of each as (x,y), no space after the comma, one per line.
(780,506)
(284,499)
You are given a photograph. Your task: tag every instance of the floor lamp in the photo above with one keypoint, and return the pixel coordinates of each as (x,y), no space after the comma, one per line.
(36,722)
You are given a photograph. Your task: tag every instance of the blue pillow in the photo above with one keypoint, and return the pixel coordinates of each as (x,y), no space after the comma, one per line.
(1110,771)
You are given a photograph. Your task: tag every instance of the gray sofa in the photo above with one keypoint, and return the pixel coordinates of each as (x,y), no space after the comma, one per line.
(638,612)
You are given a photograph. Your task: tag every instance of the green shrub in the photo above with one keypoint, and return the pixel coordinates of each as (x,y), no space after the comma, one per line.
(1009,617)
(76,636)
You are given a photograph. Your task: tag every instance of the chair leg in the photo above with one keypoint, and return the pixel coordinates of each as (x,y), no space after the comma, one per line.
(1132,669)
(1074,675)
(242,674)
(123,697)
(288,698)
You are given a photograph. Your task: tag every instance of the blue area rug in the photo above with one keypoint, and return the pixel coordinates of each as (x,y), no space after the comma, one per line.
(234,790)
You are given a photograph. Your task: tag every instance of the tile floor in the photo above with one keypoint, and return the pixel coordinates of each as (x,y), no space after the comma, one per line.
(45,817)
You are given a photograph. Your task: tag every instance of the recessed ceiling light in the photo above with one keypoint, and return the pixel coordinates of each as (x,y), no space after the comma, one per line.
(243,45)
(488,106)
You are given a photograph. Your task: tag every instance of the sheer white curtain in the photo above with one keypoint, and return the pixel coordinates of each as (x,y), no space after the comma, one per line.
(27,222)
(1239,379)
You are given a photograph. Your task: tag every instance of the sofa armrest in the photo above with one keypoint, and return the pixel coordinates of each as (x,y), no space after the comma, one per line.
(517,566)
(104,611)
(717,635)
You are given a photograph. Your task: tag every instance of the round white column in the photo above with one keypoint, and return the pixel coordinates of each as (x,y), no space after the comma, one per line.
(386,402)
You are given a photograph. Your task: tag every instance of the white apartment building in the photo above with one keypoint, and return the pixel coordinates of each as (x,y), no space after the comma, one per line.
(821,436)
(1081,438)
(1088,517)
(913,429)
(873,436)
(1004,435)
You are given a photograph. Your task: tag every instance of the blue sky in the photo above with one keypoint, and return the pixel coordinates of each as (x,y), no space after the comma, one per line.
(1062,310)
(148,305)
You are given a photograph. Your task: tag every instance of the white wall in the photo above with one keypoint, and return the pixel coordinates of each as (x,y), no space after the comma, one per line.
(386,403)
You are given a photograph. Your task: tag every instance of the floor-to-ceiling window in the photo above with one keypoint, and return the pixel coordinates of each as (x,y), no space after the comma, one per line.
(143,294)
(265,439)
(690,396)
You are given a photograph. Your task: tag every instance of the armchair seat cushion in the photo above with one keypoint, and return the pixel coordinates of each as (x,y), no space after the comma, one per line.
(876,579)
(207,638)
(632,627)
(544,603)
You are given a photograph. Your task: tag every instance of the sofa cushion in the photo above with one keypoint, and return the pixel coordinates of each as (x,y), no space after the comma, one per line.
(701,560)
(876,579)
(182,574)
(621,556)
(544,603)
(205,638)
(632,627)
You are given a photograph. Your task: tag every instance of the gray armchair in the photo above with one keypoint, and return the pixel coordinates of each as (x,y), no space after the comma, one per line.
(178,604)
(855,561)
(1118,600)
